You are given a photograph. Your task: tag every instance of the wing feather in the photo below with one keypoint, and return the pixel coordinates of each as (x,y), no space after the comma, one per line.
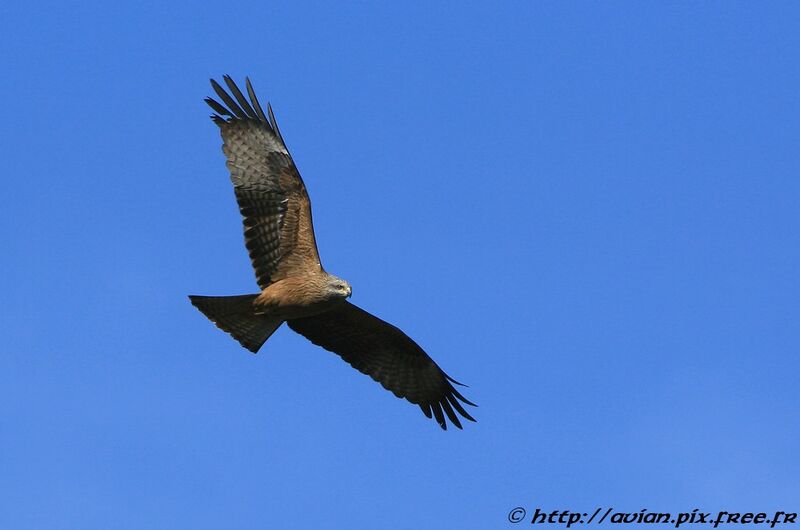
(450,414)
(254,99)
(456,405)
(228,100)
(248,110)
(437,413)
(219,109)
(274,122)
(389,356)
(272,198)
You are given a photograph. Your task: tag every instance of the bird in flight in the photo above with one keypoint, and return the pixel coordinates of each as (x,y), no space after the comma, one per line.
(295,289)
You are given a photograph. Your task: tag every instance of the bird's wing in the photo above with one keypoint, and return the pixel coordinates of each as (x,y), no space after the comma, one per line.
(389,356)
(272,198)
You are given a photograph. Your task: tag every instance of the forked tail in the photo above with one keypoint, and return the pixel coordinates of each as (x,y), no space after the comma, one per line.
(235,315)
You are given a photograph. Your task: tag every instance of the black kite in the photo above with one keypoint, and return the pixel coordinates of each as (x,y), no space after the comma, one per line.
(296,289)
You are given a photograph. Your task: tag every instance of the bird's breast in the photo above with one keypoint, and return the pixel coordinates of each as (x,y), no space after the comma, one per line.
(295,297)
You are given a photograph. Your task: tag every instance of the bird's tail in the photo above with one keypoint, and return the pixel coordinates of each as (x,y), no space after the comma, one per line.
(235,315)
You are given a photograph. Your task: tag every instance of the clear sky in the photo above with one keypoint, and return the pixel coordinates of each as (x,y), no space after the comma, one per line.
(588,212)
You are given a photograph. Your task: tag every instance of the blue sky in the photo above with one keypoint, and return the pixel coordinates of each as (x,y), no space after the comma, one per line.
(587,212)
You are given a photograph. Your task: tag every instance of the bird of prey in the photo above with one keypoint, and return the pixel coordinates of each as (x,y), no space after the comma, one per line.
(295,289)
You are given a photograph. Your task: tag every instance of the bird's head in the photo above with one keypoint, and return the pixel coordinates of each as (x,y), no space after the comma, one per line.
(338,288)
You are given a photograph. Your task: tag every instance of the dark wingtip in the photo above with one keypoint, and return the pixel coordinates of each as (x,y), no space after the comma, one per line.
(274,123)
(455,382)
(454,402)
(236,106)
(450,414)
(219,109)
(243,103)
(254,100)
(457,394)
(437,412)
(215,85)
(228,100)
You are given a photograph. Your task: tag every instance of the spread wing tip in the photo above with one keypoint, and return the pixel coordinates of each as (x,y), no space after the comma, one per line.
(448,407)
(235,106)
(454,381)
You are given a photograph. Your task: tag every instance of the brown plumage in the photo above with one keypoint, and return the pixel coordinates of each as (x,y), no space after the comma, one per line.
(279,237)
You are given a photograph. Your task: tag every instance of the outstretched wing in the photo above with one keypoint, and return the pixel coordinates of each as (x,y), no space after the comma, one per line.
(389,356)
(272,198)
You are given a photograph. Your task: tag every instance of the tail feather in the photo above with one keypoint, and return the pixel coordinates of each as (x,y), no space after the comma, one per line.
(235,315)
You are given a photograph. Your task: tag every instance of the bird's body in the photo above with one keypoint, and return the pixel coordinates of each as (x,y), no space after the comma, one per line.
(302,295)
(295,288)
